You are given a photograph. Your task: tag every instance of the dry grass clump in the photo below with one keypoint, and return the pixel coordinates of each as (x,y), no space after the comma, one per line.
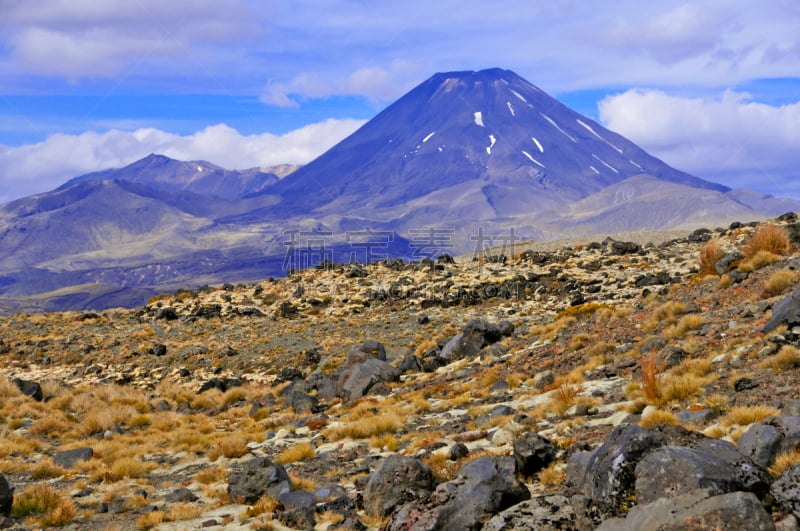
(298,452)
(666,314)
(770,237)
(784,461)
(43,501)
(687,324)
(131,467)
(386,442)
(365,427)
(46,469)
(211,475)
(778,282)
(656,417)
(788,357)
(266,504)
(553,475)
(745,415)
(562,398)
(758,261)
(231,446)
(709,255)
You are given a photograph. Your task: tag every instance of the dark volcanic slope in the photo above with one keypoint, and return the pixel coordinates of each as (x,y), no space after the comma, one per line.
(490,126)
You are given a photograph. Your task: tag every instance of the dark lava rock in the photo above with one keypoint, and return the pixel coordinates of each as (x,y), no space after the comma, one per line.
(786,490)
(743,384)
(357,379)
(257,477)
(533,453)
(764,441)
(397,480)
(6,496)
(786,312)
(182,495)
(696,511)
(544,513)
(29,388)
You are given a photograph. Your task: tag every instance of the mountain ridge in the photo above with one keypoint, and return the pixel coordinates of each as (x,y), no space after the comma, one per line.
(462,156)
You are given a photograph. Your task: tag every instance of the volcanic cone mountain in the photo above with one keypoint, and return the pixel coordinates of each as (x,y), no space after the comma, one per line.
(470,145)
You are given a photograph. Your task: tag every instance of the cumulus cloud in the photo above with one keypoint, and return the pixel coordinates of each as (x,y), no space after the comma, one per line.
(729,139)
(35,168)
(375,83)
(77,38)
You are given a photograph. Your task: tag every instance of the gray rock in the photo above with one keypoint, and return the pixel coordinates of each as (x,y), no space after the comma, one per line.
(6,496)
(698,416)
(609,478)
(475,335)
(458,451)
(786,490)
(397,480)
(257,477)
(576,468)
(356,379)
(532,452)
(302,402)
(544,513)
(786,312)
(367,350)
(329,493)
(180,495)
(296,498)
(482,488)
(723,265)
(298,518)
(670,471)
(68,458)
(764,441)
(696,511)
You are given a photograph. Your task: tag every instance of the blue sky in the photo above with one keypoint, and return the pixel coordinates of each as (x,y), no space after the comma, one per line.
(712,87)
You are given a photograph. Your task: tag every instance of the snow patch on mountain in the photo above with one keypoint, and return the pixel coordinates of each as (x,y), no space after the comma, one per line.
(635,164)
(589,128)
(594,170)
(538,144)
(492,140)
(532,159)
(478,118)
(554,124)
(604,163)
(428,137)
(520,96)
(510,108)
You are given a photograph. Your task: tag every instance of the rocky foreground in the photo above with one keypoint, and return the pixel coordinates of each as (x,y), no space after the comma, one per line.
(609,384)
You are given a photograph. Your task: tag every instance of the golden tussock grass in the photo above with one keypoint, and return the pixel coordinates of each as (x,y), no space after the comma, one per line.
(365,427)
(784,461)
(442,467)
(43,501)
(214,474)
(658,417)
(708,256)
(231,446)
(686,324)
(298,452)
(387,442)
(778,282)
(131,467)
(264,505)
(758,261)
(46,469)
(745,415)
(788,357)
(298,482)
(666,314)
(553,475)
(770,237)
(682,387)
(562,398)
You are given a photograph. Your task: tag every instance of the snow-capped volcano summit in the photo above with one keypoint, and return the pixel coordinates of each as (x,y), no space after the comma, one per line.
(489,134)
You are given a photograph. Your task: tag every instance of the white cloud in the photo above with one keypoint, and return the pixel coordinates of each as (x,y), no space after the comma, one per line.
(81,38)
(729,139)
(375,83)
(35,168)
